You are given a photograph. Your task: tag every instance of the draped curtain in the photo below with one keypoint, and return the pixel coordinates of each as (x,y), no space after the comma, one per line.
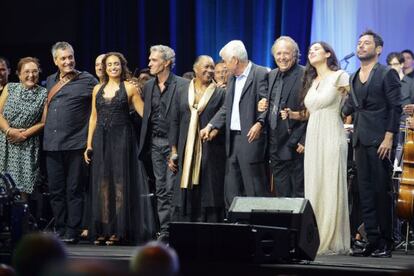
(257,23)
(190,27)
(341,22)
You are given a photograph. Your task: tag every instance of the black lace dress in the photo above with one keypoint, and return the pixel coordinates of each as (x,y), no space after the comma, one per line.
(120,202)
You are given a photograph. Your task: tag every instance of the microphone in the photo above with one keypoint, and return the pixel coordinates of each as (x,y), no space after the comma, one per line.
(348,56)
(174,158)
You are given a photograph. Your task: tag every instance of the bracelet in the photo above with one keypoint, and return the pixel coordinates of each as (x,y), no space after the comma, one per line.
(7,131)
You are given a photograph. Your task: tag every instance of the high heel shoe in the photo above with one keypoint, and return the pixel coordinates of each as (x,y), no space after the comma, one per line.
(99,241)
(113,240)
(84,235)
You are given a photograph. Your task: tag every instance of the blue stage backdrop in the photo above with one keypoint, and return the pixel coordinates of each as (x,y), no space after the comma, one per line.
(194,27)
(191,27)
(257,23)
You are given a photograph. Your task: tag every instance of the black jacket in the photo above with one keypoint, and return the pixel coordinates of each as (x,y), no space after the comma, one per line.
(292,88)
(377,111)
(177,84)
(213,160)
(254,89)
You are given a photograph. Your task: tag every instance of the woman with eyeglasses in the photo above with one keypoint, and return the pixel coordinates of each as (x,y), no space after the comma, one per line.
(21,120)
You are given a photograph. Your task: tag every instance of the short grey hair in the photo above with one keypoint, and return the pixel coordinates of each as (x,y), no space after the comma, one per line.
(291,41)
(61,45)
(234,48)
(167,53)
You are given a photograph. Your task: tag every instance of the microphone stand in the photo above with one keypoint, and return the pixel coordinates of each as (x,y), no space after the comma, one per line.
(346,58)
(346,64)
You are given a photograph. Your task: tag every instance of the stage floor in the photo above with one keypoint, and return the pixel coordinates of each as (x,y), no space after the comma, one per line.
(323,264)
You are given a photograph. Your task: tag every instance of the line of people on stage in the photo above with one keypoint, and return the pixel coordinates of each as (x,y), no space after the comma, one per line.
(204,141)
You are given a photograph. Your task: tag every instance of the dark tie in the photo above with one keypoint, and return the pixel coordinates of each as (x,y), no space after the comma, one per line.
(276,94)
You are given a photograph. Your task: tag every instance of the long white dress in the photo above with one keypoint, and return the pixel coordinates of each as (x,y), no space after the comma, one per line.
(326,163)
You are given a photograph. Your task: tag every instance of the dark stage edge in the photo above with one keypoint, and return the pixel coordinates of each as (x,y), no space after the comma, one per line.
(338,264)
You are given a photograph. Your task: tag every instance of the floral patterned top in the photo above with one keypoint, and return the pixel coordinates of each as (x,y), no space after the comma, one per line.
(23,109)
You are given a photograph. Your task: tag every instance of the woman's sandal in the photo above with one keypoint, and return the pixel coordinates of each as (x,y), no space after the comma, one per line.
(84,234)
(99,241)
(113,240)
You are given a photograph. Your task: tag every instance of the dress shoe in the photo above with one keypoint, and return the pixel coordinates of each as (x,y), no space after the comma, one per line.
(363,252)
(60,234)
(384,252)
(360,244)
(163,238)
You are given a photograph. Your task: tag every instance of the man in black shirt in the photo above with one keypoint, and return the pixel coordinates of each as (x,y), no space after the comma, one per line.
(375,103)
(64,139)
(154,145)
(286,137)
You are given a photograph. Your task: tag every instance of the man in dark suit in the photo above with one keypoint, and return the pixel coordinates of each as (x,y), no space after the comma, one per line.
(374,102)
(158,97)
(245,142)
(286,137)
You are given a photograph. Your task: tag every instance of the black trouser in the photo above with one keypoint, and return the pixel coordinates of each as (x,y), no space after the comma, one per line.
(164,180)
(375,191)
(65,170)
(242,177)
(288,177)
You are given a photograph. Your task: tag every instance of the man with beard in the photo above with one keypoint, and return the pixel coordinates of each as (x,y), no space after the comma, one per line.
(375,103)
(159,94)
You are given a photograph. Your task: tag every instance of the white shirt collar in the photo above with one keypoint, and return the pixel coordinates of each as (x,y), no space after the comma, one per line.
(246,71)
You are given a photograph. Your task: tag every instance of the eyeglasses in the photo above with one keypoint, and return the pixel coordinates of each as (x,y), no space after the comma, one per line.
(28,72)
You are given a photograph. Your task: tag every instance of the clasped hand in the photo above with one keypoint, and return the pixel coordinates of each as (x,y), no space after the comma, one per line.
(16,135)
(208,134)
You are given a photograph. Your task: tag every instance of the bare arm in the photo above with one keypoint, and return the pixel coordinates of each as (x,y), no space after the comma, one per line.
(14,135)
(4,125)
(92,124)
(135,98)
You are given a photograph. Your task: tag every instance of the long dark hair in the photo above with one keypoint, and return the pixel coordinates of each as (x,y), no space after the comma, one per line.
(125,74)
(310,71)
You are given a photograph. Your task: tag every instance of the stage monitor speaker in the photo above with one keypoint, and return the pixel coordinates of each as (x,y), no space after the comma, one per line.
(220,242)
(295,214)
